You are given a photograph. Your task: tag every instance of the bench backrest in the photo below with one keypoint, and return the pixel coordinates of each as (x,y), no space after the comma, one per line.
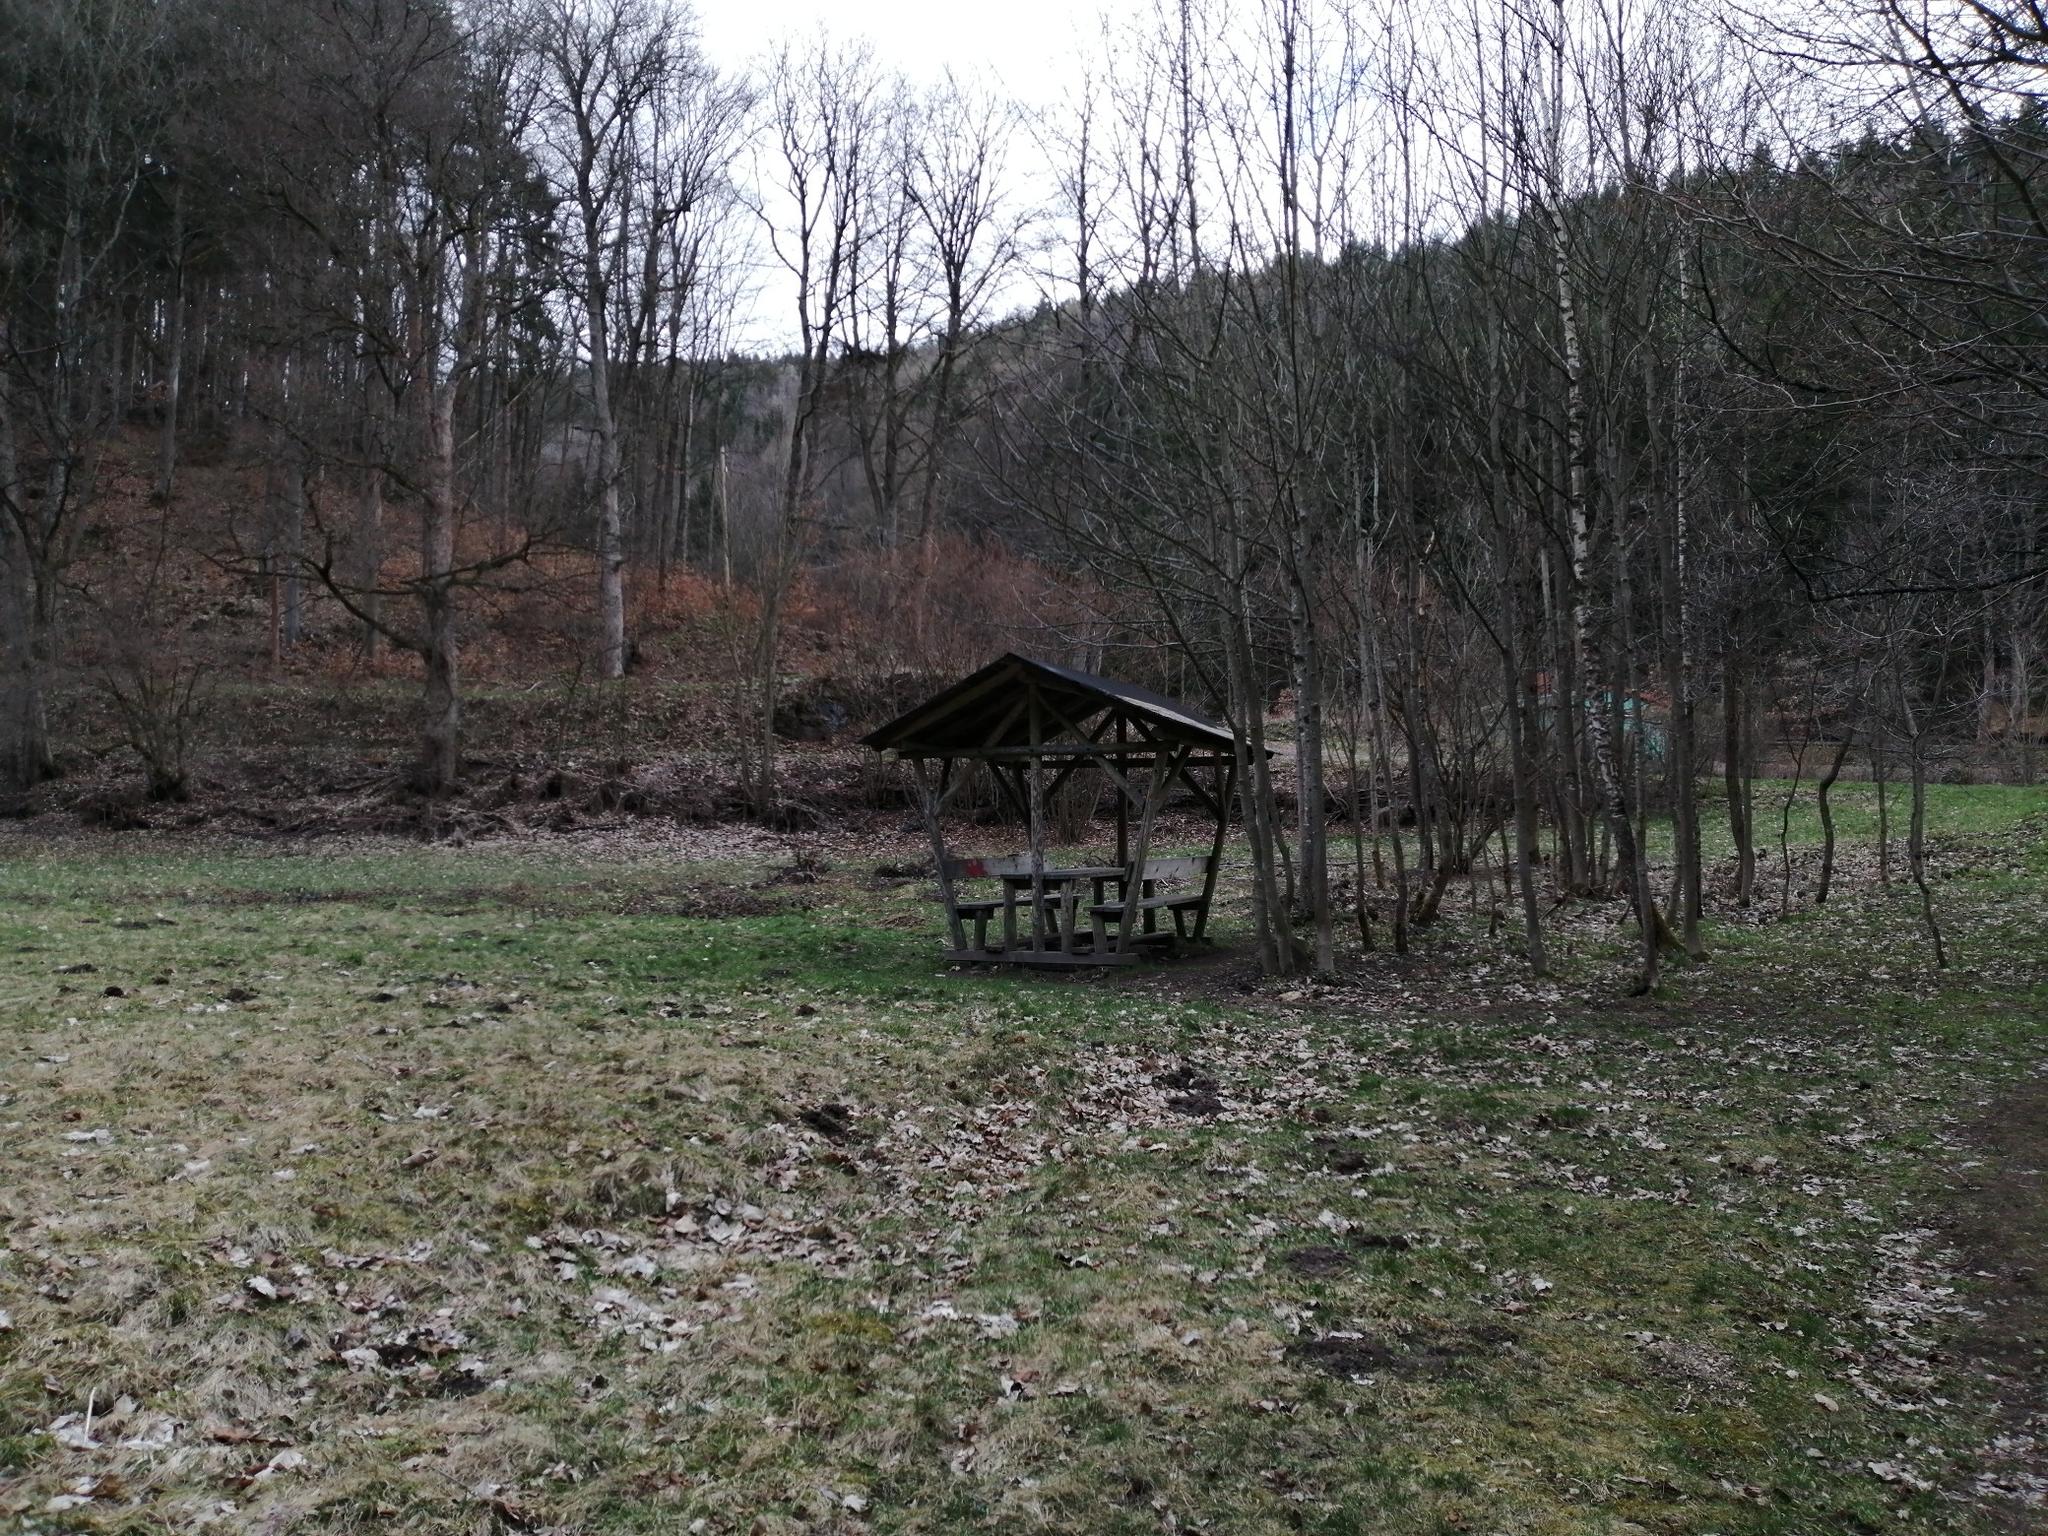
(989,868)
(1177,869)
(1020,864)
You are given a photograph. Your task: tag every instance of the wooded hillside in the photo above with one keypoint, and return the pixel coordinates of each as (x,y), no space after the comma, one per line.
(1521,416)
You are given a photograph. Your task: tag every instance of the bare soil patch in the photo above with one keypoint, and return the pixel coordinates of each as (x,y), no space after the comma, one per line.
(1348,1355)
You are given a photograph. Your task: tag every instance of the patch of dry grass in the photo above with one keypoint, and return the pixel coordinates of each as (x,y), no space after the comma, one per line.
(483,1191)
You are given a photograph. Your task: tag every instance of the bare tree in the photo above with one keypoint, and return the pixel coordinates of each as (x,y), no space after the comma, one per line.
(824,103)
(80,102)
(420,265)
(958,189)
(636,130)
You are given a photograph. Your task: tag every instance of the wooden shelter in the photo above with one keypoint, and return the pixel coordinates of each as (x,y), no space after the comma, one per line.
(1035,725)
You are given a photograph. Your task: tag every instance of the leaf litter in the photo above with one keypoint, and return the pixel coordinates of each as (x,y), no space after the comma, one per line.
(1161,1208)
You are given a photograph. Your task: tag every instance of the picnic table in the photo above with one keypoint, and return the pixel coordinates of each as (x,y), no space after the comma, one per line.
(1063,900)
(1083,909)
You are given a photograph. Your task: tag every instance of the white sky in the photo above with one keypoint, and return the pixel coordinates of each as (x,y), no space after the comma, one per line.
(1027,46)
(1028,50)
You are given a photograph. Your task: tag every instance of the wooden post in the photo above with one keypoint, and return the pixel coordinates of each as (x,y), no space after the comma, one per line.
(1123,811)
(1010,899)
(1037,821)
(929,801)
(1155,787)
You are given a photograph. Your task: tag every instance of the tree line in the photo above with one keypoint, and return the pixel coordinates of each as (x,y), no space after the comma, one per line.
(1531,406)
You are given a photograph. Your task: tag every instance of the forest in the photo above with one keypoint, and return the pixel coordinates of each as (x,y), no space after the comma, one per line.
(1548,403)
(485,486)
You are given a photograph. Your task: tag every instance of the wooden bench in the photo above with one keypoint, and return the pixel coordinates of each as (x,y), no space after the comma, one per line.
(979,909)
(1151,903)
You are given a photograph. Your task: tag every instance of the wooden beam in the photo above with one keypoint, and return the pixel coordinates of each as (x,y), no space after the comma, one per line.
(1134,752)
(1123,814)
(935,710)
(1134,882)
(1037,823)
(929,800)
(1067,722)
(1075,764)
(1003,724)
(1059,751)
(1187,777)
(1014,793)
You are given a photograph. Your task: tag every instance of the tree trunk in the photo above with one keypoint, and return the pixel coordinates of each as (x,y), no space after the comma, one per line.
(1262,834)
(1827,818)
(174,356)
(1520,775)
(25,759)
(1785,829)
(1735,777)
(2019,709)
(1364,799)
(778,570)
(1422,783)
(1680,738)
(724,492)
(942,410)
(1384,747)
(1566,716)
(1590,615)
(441,726)
(292,553)
(1361,905)
(1308,746)
(1878,766)
(676,528)
(369,529)
(1916,828)
(611,543)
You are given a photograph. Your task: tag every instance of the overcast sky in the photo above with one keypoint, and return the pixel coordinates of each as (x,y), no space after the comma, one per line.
(1026,44)
(1027,49)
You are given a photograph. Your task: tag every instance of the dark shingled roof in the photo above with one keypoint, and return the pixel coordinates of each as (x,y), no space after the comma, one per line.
(964,719)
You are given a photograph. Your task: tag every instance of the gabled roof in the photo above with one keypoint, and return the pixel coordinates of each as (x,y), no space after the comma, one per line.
(981,712)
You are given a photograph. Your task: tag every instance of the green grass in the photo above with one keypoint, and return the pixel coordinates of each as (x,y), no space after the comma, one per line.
(1459,1253)
(1955,813)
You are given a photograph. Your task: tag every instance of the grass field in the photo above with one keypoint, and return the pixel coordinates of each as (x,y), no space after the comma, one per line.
(611,1188)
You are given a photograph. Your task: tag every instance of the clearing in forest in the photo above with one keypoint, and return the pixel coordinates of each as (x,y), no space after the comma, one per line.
(542,1186)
